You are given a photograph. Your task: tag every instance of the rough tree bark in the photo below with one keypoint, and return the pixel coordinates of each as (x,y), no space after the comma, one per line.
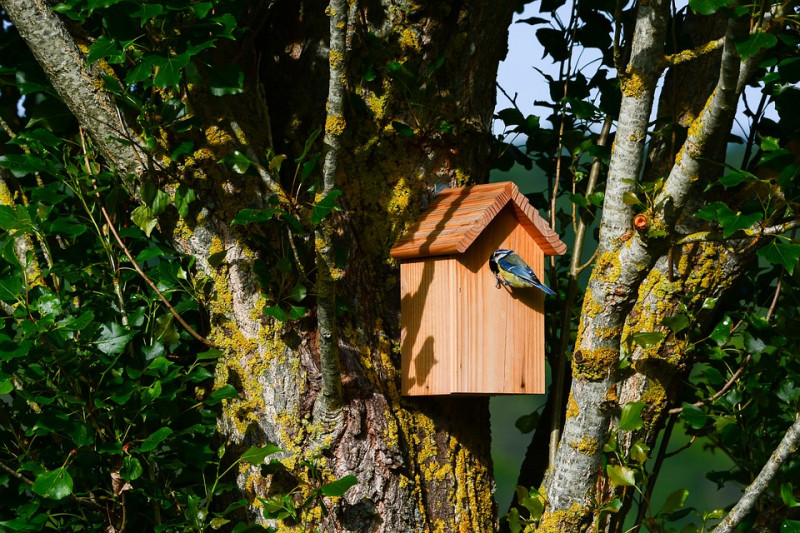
(420,464)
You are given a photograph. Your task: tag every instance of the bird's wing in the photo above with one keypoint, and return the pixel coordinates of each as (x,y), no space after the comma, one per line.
(515,265)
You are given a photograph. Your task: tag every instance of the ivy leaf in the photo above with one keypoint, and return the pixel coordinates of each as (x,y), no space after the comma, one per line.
(143,217)
(183,197)
(722,331)
(647,339)
(732,222)
(735,177)
(237,161)
(6,386)
(255,455)
(554,43)
(297,311)
(754,42)
(339,487)
(621,476)
(676,323)
(10,289)
(160,202)
(147,12)
(55,484)
(113,338)
(104,47)
(156,438)
(631,417)
(298,293)
(325,206)
(223,393)
(790,526)
(779,253)
(169,70)
(131,468)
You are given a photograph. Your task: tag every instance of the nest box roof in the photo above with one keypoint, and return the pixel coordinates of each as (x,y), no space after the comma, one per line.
(457,216)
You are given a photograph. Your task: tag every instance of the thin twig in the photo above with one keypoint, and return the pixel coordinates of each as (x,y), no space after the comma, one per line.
(136,267)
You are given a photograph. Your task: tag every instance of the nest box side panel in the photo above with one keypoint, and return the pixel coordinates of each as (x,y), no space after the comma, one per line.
(426,339)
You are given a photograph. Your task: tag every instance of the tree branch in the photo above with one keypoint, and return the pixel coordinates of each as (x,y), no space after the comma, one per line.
(688,55)
(331,389)
(76,84)
(708,128)
(744,506)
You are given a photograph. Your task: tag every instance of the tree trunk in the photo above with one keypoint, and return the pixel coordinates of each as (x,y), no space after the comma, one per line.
(420,80)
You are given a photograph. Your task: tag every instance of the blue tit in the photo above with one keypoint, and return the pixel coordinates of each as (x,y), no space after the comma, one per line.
(510,269)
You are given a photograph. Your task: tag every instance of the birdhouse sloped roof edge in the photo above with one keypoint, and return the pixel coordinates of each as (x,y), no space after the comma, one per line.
(457,216)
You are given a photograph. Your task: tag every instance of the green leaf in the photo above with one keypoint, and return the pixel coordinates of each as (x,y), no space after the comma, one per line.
(55,484)
(297,311)
(339,487)
(131,468)
(722,331)
(790,526)
(527,423)
(155,438)
(674,501)
(113,338)
(676,323)
(694,416)
(183,197)
(10,289)
(735,177)
(105,47)
(754,42)
(707,7)
(248,216)
(639,452)
(404,130)
(298,293)
(238,161)
(255,455)
(223,393)
(6,386)
(630,198)
(621,476)
(732,222)
(325,206)
(160,202)
(596,198)
(770,144)
(787,495)
(647,339)
(511,116)
(15,219)
(143,217)
(140,72)
(276,312)
(169,70)
(631,417)
(780,253)
(147,12)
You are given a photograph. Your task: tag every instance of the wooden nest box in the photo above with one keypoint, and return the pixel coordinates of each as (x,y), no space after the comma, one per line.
(460,333)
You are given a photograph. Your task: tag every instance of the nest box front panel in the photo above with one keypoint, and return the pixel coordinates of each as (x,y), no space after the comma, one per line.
(500,334)
(427,319)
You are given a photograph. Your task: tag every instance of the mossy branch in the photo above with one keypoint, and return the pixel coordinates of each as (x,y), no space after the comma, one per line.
(330,399)
(689,55)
